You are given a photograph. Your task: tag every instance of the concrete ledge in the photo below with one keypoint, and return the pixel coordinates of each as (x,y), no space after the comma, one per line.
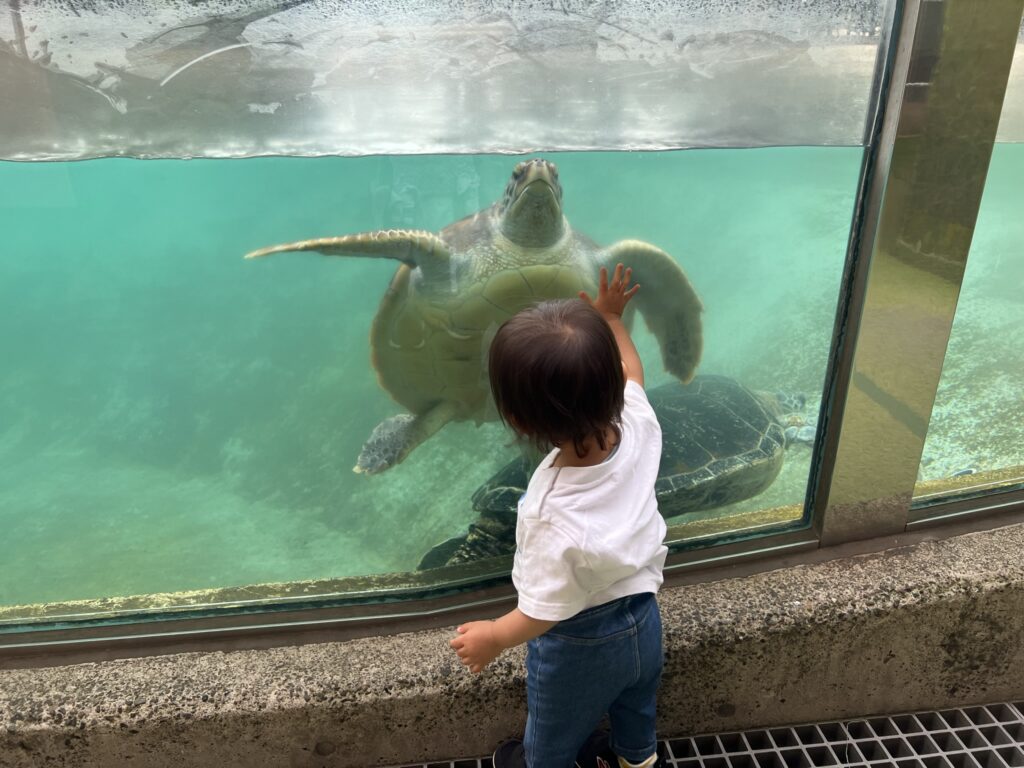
(936,624)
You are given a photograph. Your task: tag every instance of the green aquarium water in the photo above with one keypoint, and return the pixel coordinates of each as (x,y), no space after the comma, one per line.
(173,417)
(976,425)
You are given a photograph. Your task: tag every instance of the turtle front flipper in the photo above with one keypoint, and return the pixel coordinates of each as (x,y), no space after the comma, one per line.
(667,301)
(394,439)
(415,247)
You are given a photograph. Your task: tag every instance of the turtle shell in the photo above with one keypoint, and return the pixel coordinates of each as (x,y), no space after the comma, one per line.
(721,443)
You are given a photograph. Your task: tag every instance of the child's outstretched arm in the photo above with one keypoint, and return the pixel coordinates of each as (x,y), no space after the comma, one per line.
(611,302)
(480,642)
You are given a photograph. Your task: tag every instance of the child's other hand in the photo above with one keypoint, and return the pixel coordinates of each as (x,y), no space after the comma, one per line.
(612,298)
(475,646)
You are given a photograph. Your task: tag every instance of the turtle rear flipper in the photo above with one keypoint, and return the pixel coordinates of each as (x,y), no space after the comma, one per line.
(439,556)
(667,301)
(393,439)
(490,535)
(493,533)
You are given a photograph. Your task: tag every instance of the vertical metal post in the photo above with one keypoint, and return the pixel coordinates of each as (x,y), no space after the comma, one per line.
(916,233)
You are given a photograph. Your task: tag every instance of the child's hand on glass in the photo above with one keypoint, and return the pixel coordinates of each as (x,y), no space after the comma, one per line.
(613,297)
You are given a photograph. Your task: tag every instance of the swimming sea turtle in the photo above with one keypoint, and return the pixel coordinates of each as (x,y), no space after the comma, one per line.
(721,443)
(453,289)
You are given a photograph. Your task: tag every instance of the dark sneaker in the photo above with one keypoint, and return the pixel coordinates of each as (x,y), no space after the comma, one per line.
(596,752)
(510,754)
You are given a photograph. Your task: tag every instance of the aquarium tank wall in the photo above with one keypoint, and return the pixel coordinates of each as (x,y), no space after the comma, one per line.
(180,425)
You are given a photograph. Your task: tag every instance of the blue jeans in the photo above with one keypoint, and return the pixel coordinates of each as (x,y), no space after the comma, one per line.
(604,659)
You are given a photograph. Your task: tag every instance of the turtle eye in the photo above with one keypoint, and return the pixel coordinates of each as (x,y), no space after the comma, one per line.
(519,170)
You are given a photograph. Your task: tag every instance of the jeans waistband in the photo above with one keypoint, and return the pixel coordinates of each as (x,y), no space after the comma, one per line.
(635,604)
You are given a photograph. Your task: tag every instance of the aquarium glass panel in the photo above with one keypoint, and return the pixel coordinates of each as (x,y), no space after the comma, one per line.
(175,417)
(179,425)
(975,440)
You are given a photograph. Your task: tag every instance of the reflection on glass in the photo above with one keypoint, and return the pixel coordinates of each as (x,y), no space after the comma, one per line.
(241,77)
(975,441)
(173,417)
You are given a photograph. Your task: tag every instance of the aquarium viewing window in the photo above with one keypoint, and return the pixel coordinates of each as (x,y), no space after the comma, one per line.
(179,424)
(975,441)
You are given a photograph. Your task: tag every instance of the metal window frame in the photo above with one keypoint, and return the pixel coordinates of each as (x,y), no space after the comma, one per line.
(948,81)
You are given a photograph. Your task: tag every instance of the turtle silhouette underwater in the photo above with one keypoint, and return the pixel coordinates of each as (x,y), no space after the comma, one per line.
(453,290)
(721,443)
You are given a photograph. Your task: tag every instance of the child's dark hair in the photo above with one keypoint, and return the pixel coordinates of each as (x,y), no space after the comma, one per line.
(556,374)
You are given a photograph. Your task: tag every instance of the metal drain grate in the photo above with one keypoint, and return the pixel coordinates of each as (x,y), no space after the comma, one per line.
(989,736)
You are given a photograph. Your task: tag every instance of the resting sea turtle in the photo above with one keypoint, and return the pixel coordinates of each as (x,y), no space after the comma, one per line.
(721,443)
(453,289)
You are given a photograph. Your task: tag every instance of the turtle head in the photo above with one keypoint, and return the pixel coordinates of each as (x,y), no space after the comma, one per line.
(530,212)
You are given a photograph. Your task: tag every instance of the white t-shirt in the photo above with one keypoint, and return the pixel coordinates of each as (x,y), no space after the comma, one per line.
(589,535)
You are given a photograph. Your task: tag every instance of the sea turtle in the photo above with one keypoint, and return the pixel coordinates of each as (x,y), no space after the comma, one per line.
(721,443)
(453,289)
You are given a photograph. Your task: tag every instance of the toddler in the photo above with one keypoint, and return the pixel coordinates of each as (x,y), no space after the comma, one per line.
(589,551)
